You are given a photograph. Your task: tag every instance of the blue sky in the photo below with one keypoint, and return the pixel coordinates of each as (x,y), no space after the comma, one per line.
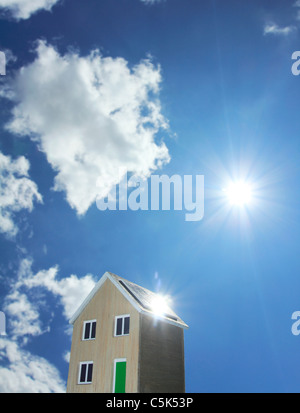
(175,87)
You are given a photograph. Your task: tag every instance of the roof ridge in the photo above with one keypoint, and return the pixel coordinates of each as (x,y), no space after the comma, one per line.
(140,297)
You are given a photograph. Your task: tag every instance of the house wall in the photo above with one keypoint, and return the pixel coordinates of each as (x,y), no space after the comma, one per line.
(161,357)
(107,303)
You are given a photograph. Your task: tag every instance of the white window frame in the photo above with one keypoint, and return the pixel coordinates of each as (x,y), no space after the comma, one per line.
(115,365)
(87,363)
(123,316)
(83,330)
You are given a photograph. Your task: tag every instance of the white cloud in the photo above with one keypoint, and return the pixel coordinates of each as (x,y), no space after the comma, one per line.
(70,290)
(23,304)
(23,314)
(23,372)
(66,356)
(93,116)
(273,28)
(20,370)
(17,191)
(23,9)
(22,310)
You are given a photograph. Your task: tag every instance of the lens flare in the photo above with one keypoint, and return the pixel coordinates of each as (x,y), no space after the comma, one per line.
(159,305)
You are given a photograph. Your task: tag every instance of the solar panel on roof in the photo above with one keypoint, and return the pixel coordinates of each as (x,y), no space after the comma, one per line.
(132,294)
(143,297)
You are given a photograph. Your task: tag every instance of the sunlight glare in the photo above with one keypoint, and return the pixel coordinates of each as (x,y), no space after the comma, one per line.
(159,305)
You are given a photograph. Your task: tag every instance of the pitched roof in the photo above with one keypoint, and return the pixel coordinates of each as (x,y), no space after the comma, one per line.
(138,296)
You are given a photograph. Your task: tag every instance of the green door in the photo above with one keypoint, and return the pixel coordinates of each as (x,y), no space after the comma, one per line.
(120,376)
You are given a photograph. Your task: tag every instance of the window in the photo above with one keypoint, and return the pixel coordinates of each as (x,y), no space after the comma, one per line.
(122,325)
(89,330)
(85,372)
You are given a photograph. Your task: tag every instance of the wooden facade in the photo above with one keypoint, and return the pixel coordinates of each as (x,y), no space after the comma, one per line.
(151,355)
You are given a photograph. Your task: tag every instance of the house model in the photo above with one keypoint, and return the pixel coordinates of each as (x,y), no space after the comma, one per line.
(125,341)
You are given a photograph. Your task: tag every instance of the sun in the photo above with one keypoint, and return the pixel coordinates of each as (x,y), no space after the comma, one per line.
(239,193)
